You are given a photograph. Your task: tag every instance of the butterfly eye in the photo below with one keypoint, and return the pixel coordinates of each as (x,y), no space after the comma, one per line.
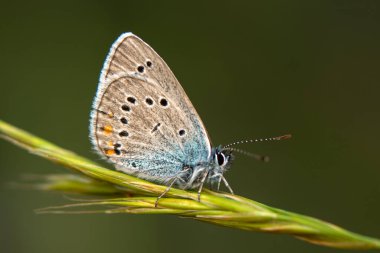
(221,159)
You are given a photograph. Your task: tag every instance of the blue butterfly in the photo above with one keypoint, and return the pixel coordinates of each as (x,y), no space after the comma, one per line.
(143,122)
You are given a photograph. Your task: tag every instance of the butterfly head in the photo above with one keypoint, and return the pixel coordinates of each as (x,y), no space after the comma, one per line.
(210,171)
(222,158)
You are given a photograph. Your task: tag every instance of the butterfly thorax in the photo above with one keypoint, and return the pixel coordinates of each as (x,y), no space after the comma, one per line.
(210,171)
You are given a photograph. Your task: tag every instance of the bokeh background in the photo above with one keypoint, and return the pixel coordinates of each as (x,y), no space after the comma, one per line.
(251,68)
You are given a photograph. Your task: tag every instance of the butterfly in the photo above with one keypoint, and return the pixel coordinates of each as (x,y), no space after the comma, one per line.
(143,122)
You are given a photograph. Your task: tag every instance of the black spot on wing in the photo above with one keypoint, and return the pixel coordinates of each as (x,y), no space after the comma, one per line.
(155,128)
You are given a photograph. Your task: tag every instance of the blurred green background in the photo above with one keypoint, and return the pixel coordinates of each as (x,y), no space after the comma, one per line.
(251,68)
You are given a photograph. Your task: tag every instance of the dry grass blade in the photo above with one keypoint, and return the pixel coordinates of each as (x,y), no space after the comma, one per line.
(121,193)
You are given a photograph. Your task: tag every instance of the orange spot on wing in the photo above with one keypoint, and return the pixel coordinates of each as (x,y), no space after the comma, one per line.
(110,152)
(107,129)
(110,114)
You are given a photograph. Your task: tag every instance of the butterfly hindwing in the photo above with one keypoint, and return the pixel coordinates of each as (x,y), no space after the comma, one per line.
(142,120)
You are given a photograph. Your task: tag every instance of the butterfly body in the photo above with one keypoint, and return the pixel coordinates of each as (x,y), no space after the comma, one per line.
(143,122)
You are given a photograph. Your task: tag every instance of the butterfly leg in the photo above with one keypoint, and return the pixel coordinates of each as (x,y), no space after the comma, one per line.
(201,186)
(227,185)
(166,191)
(175,178)
(220,180)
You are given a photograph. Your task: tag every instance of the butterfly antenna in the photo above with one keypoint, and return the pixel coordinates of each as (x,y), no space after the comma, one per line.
(262,158)
(278,138)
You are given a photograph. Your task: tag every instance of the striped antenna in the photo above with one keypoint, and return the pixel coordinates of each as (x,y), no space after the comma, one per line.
(262,158)
(278,138)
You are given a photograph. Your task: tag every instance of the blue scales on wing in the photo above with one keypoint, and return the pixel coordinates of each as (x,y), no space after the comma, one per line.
(142,119)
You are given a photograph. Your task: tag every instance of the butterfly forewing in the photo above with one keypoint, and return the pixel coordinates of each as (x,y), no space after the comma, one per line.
(142,120)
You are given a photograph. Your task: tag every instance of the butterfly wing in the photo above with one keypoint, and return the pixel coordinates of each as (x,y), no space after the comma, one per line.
(142,119)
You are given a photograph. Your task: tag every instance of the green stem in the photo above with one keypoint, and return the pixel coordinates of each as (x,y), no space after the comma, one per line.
(127,194)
